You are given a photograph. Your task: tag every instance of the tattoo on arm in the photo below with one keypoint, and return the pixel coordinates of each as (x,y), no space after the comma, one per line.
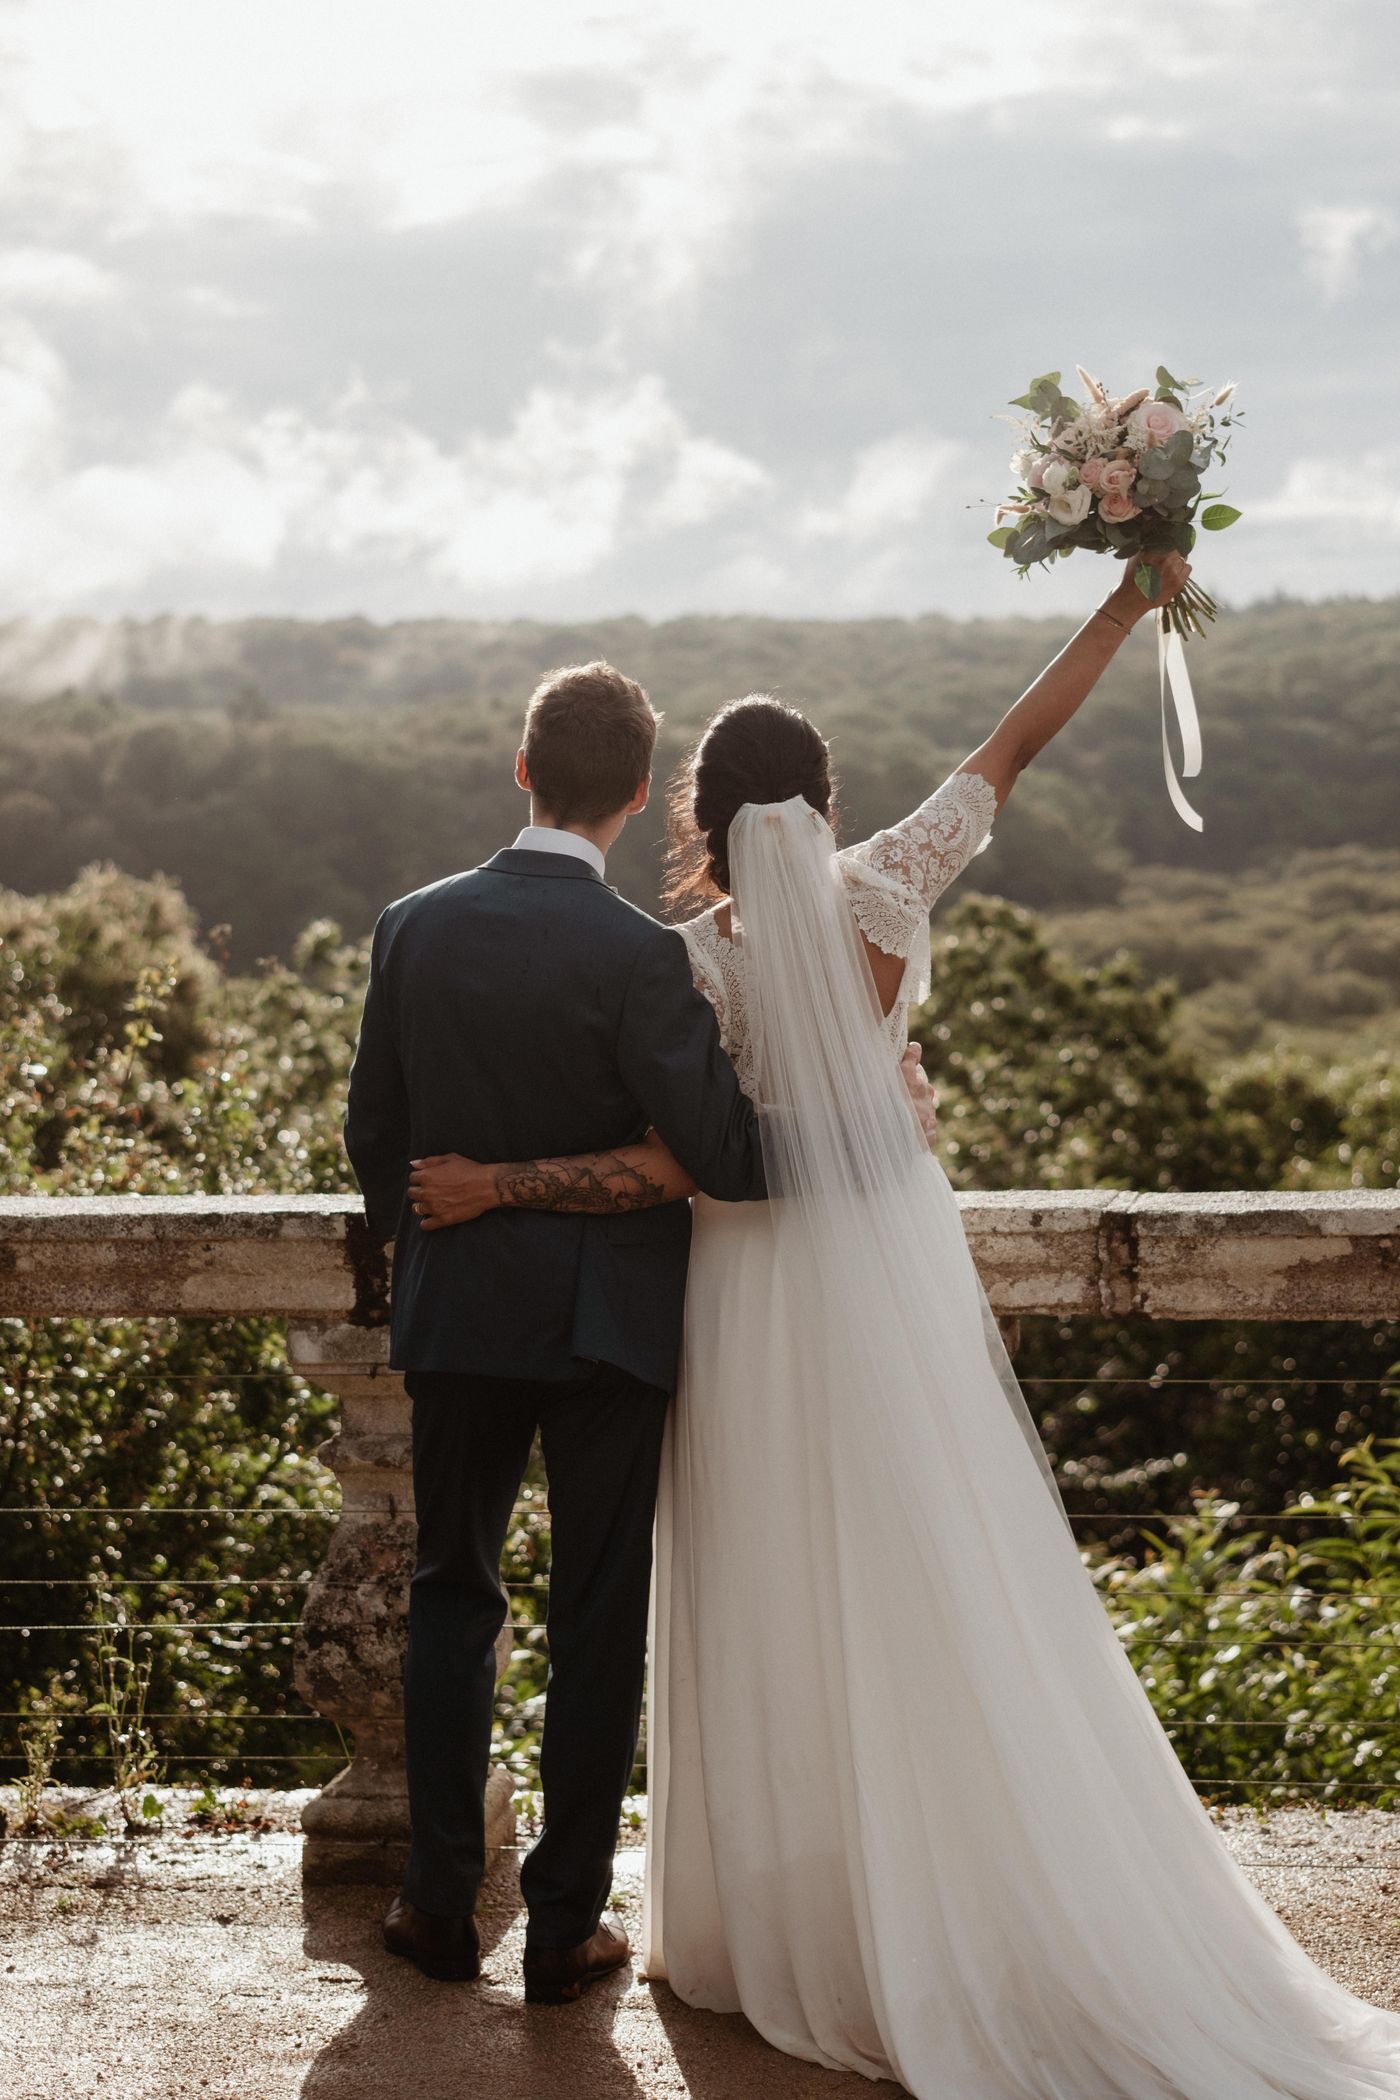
(602,1181)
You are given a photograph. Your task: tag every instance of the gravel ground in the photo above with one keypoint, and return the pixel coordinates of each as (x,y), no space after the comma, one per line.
(187,1964)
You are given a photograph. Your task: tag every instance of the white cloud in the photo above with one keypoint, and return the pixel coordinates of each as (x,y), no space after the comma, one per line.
(434,115)
(706,480)
(33,386)
(53,277)
(1363,492)
(576,478)
(891,485)
(212,302)
(79,529)
(1335,239)
(1131,130)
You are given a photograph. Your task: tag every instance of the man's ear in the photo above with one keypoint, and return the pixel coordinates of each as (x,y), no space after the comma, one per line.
(522,773)
(639,800)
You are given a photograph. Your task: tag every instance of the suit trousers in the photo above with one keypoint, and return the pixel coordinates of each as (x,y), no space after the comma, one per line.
(472,1436)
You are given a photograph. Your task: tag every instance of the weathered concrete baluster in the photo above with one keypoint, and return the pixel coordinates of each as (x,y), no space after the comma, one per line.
(349,1647)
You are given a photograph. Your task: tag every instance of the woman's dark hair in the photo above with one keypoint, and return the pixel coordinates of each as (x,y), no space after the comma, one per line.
(753,750)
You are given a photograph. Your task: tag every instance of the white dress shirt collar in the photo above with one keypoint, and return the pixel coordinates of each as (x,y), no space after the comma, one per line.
(543,838)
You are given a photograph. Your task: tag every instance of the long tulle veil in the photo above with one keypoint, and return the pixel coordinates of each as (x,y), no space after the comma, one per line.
(847,1166)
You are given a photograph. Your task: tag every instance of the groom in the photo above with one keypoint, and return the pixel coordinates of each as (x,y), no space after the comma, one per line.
(518,1010)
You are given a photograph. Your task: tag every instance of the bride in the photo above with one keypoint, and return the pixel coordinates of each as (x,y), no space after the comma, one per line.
(910,1809)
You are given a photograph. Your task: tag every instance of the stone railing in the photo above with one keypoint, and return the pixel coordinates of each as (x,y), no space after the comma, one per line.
(308,1260)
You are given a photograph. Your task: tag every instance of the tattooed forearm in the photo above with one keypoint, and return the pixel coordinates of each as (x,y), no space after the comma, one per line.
(603,1181)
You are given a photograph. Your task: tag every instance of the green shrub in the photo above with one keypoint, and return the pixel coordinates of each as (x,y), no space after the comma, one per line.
(1274,1662)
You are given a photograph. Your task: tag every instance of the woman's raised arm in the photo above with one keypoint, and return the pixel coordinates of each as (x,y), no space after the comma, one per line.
(1066,683)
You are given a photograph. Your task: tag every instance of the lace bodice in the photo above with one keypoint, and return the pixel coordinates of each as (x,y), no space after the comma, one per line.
(893,881)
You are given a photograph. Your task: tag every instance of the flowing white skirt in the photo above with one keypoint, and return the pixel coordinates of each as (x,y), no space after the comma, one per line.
(911,1811)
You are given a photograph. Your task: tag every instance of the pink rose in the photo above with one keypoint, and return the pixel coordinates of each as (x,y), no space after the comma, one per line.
(1090,471)
(1153,423)
(1117,477)
(1037,473)
(1116,510)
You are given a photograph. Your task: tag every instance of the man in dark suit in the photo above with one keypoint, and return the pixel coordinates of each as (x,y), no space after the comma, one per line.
(516,1011)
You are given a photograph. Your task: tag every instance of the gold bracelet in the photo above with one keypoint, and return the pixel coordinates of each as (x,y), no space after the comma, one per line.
(1114,617)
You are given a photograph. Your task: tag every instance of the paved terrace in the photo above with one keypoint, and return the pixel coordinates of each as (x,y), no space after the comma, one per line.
(201,1969)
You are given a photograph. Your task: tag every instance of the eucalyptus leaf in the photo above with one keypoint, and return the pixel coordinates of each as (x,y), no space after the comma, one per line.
(1145,577)
(1040,394)
(1002,534)
(1218,516)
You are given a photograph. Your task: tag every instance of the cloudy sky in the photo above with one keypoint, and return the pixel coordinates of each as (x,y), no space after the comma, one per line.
(315,306)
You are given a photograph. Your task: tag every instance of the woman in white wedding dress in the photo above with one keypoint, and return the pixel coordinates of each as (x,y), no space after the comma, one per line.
(911,1811)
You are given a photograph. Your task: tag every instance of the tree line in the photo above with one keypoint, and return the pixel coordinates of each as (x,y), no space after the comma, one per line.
(282,771)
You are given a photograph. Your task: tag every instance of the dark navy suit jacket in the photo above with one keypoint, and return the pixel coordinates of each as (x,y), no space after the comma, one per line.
(520,1010)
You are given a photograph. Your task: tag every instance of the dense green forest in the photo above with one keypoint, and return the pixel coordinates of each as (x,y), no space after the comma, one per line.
(284,771)
(1303,949)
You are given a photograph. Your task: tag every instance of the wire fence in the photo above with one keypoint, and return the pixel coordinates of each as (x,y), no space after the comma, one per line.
(1219,1624)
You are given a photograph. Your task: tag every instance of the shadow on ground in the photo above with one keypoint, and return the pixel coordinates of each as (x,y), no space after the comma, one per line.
(626,2040)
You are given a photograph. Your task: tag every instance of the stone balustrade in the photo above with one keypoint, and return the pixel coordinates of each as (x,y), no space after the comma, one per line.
(309,1261)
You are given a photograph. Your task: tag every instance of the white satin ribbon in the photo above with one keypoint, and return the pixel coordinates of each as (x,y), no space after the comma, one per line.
(1173,677)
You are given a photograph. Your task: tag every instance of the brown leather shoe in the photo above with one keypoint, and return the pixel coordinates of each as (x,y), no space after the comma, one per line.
(559,1975)
(446,1949)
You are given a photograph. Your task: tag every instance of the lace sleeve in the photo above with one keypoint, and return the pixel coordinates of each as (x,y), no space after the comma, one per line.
(924,852)
(717,967)
(894,879)
(707,967)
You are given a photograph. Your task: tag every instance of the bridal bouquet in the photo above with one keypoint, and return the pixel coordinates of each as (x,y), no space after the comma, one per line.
(1124,476)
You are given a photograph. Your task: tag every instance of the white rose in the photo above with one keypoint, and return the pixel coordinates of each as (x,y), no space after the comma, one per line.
(1059,478)
(1069,499)
(1022,464)
(1071,508)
